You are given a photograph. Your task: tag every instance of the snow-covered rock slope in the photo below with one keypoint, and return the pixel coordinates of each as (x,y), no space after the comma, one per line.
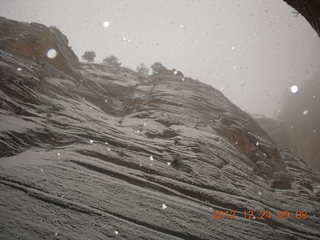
(90,151)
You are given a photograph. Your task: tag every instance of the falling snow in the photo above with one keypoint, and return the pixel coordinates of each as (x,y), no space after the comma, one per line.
(106,24)
(175,72)
(91,141)
(116,232)
(169,163)
(294,88)
(164,206)
(58,154)
(151,158)
(19,69)
(305,112)
(52,53)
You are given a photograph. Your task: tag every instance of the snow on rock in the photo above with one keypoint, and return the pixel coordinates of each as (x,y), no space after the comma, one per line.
(204,146)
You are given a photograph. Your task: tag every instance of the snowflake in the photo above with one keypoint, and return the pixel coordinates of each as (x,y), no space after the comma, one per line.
(19,69)
(52,53)
(116,232)
(106,24)
(91,141)
(151,158)
(164,206)
(294,88)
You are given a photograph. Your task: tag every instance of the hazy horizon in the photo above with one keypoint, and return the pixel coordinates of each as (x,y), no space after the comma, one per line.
(252,51)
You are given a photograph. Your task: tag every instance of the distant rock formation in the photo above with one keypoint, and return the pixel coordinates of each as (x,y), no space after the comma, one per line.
(90,151)
(297,128)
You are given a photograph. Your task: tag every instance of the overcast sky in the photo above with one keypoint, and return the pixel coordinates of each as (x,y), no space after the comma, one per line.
(251,50)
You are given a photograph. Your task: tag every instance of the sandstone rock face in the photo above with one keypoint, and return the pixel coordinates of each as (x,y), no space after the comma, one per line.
(94,152)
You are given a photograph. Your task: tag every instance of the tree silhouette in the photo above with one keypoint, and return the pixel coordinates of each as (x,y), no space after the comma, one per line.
(157,67)
(89,56)
(112,61)
(142,70)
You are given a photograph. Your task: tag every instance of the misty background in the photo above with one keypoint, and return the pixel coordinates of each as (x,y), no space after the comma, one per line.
(253,50)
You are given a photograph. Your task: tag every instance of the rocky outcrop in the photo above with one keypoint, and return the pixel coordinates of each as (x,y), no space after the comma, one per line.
(33,41)
(102,152)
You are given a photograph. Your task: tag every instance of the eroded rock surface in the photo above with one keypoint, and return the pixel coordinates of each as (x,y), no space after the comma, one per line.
(97,152)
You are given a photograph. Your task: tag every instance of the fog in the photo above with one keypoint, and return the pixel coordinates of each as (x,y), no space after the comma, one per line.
(253,51)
